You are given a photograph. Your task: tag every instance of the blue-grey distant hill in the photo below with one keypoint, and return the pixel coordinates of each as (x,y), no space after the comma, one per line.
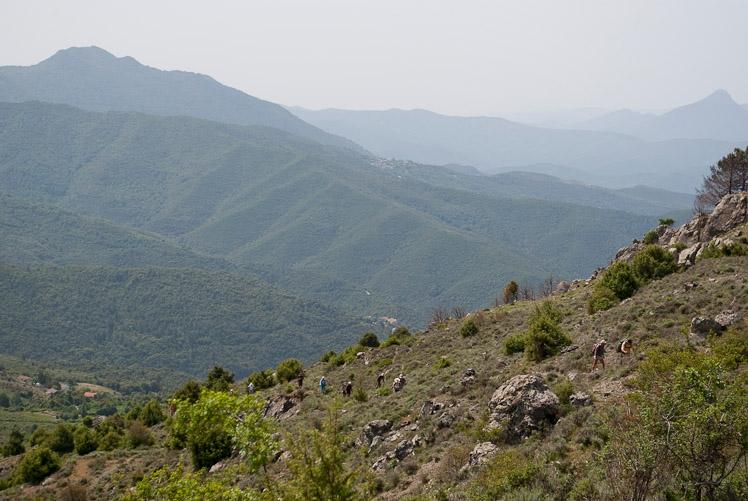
(493,145)
(716,117)
(93,79)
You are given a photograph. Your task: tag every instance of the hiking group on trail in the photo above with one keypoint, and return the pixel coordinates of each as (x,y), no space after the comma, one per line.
(623,348)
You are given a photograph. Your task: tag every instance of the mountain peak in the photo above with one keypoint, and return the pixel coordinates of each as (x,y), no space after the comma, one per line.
(719,96)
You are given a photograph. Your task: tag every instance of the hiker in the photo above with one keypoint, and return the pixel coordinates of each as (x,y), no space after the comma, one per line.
(397,384)
(599,354)
(624,349)
(322,384)
(172,408)
(231,392)
(380,379)
(300,378)
(401,377)
(250,388)
(348,389)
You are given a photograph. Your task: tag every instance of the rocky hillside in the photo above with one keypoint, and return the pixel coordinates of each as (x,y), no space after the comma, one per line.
(474,422)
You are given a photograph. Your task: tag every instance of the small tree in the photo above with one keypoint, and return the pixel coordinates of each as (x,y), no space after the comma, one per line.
(219,379)
(217,422)
(369,339)
(510,292)
(653,263)
(190,391)
(288,369)
(36,465)
(468,328)
(61,439)
(621,279)
(262,380)
(545,337)
(85,441)
(14,446)
(152,413)
(730,175)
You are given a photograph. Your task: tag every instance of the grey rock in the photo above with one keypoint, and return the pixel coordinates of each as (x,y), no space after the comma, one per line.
(580,399)
(727,318)
(522,405)
(480,455)
(703,326)
(372,429)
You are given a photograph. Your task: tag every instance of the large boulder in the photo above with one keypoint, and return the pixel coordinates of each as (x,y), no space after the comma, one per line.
(727,318)
(481,454)
(278,406)
(522,405)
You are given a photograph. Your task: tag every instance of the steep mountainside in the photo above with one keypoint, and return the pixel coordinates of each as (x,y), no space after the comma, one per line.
(157,318)
(264,198)
(477,420)
(93,79)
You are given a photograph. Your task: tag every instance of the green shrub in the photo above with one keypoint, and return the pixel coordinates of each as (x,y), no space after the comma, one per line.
(85,441)
(288,370)
(39,436)
(219,379)
(651,238)
(36,465)
(621,279)
(443,363)
(514,344)
(111,440)
(468,328)
(61,439)
(369,340)
(360,394)
(398,336)
(328,356)
(152,413)
(190,391)
(563,391)
(14,447)
(545,337)
(601,299)
(667,222)
(138,434)
(262,380)
(654,263)
(134,413)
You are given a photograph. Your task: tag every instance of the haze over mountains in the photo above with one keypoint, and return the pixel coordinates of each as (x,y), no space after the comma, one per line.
(619,149)
(110,164)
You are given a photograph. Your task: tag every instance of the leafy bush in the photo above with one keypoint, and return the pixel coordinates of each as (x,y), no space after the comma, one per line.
(262,380)
(219,379)
(360,394)
(138,434)
(61,439)
(36,465)
(601,299)
(667,222)
(85,441)
(514,344)
(14,446)
(190,391)
(443,363)
(152,413)
(39,436)
(288,369)
(545,337)
(370,340)
(468,328)
(134,413)
(563,391)
(398,336)
(111,440)
(651,238)
(654,263)
(510,292)
(330,355)
(621,279)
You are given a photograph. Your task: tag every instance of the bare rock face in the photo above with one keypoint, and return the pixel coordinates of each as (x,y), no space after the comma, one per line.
(727,318)
(521,406)
(703,326)
(480,455)
(730,212)
(278,406)
(371,430)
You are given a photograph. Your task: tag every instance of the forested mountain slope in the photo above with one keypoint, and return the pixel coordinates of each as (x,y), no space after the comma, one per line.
(261,197)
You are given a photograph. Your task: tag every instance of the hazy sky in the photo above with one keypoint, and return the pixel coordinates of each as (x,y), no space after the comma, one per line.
(460,57)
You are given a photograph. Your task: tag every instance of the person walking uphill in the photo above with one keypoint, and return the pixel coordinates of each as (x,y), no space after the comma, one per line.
(599,354)
(300,379)
(322,384)
(380,379)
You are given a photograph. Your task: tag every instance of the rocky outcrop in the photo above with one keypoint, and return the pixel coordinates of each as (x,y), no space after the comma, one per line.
(580,399)
(703,326)
(727,318)
(732,211)
(480,455)
(278,406)
(371,430)
(402,450)
(522,405)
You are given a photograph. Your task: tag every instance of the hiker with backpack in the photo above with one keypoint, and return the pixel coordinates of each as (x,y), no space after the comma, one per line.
(599,353)
(348,389)
(380,380)
(624,349)
(322,384)
(300,379)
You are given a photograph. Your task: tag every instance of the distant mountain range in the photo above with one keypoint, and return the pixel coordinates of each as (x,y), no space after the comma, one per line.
(267,201)
(621,149)
(93,79)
